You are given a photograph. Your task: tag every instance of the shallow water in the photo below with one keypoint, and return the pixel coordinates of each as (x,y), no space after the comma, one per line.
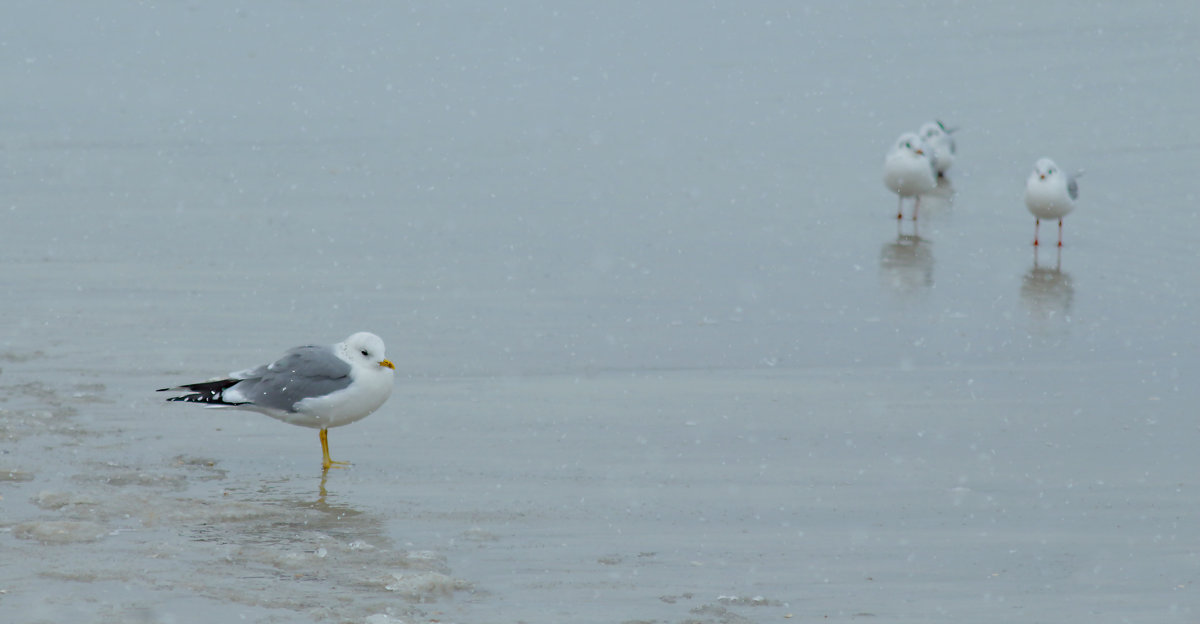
(664,353)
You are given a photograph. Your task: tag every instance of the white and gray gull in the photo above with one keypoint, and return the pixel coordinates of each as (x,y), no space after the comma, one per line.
(312,386)
(938,137)
(1050,194)
(909,171)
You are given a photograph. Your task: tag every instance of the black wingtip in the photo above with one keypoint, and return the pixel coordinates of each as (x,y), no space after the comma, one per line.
(211,392)
(206,399)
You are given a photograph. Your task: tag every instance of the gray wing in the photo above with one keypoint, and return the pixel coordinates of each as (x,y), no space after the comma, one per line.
(304,372)
(1072,187)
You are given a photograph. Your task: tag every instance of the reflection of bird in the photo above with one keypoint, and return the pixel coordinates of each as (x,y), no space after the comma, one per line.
(906,264)
(1047,292)
(937,136)
(909,171)
(318,387)
(1050,194)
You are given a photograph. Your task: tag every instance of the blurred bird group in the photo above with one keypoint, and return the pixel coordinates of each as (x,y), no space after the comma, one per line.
(919,160)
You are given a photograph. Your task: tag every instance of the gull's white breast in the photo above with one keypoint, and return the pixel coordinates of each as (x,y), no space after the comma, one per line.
(1048,198)
(908,174)
(366,393)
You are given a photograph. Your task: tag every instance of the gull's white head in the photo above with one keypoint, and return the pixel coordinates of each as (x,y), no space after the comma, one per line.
(1045,168)
(910,142)
(931,131)
(365,348)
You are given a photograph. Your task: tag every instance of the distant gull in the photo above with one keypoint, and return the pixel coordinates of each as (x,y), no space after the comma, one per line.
(1050,194)
(937,136)
(909,171)
(312,386)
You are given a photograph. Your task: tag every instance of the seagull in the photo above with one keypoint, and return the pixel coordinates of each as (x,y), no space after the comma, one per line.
(909,171)
(937,136)
(1050,194)
(311,386)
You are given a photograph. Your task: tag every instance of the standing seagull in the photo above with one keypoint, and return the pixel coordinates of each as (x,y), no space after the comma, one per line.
(937,136)
(909,171)
(1050,194)
(318,387)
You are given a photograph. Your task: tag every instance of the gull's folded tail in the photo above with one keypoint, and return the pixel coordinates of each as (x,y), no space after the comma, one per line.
(211,392)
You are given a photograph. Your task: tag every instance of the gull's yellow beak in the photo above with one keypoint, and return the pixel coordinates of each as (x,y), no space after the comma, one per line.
(387,363)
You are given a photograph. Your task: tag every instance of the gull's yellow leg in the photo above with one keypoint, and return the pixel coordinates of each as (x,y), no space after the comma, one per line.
(326,462)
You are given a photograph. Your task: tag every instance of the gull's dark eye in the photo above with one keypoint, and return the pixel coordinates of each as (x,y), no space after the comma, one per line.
(364,352)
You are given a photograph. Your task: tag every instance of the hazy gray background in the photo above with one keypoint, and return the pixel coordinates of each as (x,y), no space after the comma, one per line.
(662,350)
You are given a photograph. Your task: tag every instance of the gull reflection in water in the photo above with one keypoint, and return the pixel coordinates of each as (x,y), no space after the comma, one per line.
(1047,292)
(906,265)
